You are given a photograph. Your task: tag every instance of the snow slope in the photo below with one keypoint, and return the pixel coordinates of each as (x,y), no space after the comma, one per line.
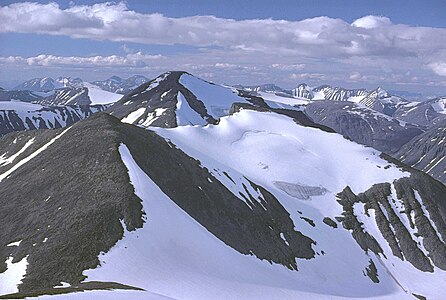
(271,149)
(13,276)
(99,96)
(174,256)
(19,105)
(289,148)
(285,100)
(216,98)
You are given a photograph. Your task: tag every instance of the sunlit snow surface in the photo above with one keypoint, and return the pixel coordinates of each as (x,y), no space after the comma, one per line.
(19,106)
(99,96)
(174,256)
(216,98)
(13,276)
(285,100)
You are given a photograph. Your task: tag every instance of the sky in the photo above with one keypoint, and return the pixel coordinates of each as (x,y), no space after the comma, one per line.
(397,45)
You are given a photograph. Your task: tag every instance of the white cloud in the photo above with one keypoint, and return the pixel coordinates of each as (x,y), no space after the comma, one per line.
(285,67)
(138,59)
(355,76)
(316,37)
(369,22)
(317,50)
(438,67)
(308,76)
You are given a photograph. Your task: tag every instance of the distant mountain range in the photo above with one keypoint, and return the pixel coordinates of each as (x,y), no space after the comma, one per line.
(119,85)
(113,84)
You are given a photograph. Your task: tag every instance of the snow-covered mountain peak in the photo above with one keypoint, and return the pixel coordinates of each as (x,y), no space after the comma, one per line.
(176,98)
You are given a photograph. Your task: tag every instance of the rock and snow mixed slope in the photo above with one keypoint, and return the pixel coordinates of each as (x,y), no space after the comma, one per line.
(377,99)
(381,101)
(175,99)
(427,152)
(363,125)
(18,116)
(256,206)
(427,113)
(67,91)
(88,94)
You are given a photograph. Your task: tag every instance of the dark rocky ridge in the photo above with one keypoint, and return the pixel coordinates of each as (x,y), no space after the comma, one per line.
(87,222)
(363,125)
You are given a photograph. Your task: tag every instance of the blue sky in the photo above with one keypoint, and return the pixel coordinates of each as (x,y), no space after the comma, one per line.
(393,44)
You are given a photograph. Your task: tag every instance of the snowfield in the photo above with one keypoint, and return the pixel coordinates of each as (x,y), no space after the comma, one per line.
(19,106)
(269,147)
(99,96)
(216,98)
(174,256)
(284,100)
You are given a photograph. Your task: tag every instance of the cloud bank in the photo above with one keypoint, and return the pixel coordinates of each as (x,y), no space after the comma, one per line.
(370,48)
(130,60)
(368,36)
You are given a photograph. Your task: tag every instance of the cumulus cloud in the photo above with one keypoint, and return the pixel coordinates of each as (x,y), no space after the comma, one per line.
(308,76)
(321,36)
(285,67)
(369,22)
(138,59)
(369,50)
(438,67)
(355,76)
